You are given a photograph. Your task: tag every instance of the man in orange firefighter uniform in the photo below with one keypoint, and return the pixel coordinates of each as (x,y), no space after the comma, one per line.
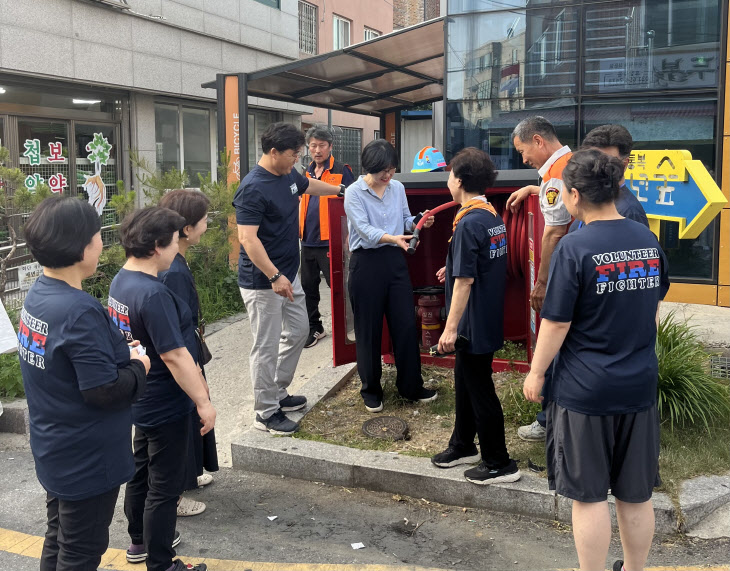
(314,223)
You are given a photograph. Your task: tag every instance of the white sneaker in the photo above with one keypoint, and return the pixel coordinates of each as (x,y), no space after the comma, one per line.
(188,507)
(204,480)
(532,432)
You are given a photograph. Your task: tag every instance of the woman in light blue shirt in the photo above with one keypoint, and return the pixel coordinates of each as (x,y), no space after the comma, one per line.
(377,217)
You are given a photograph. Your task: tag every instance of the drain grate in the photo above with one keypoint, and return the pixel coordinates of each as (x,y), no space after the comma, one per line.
(720,367)
(389,427)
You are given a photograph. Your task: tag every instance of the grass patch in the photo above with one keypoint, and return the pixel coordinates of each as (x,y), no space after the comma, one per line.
(339,420)
(685,453)
(692,452)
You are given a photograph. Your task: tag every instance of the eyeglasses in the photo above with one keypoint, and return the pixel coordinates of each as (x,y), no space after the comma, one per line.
(294,156)
(316,146)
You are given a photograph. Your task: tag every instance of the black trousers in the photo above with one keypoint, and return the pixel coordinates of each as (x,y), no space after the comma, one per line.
(380,286)
(478,410)
(150,502)
(314,260)
(78,532)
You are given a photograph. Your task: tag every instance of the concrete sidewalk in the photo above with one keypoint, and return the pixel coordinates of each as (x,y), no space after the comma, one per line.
(230,381)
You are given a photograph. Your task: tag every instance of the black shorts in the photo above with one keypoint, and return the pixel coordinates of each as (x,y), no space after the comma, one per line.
(589,455)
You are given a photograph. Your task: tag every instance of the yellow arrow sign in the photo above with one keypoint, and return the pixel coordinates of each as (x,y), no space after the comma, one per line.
(670,185)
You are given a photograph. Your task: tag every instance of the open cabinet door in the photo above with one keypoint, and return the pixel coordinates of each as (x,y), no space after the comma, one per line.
(535,228)
(343,324)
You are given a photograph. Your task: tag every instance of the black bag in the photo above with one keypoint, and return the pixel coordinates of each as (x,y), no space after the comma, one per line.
(203,351)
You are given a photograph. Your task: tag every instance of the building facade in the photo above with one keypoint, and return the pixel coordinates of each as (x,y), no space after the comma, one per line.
(327,25)
(409,12)
(130,70)
(657,67)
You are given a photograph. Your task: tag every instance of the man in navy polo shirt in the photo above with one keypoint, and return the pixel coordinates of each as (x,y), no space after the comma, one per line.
(616,141)
(267,208)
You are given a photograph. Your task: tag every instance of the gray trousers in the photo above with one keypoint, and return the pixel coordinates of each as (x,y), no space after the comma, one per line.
(279,329)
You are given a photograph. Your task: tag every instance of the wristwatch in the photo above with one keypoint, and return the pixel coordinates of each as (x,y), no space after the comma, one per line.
(342,191)
(275,277)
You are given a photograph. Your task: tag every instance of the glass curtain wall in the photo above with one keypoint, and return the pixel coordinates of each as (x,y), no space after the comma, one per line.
(650,65)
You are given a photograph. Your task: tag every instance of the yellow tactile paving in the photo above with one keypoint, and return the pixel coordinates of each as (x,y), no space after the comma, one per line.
(114,560)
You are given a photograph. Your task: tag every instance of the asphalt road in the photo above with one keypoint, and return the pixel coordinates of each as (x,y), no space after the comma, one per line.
(316,523)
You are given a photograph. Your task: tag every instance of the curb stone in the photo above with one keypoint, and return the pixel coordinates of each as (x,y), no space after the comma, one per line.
(14,418)
(701,496)
(394,473)
(260,452)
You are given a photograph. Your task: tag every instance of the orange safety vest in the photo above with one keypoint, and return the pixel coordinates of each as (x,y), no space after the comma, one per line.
(324,222)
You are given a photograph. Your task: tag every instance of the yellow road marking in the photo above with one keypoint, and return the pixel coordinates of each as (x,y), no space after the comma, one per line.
(115,560)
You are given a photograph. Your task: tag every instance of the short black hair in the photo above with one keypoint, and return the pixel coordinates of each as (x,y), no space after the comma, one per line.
(536,125)
(282,137)
(378,155)
(319,132)
(610,136)
(144,230)
(475,169)
(189,203)
(595,175)
(59,229)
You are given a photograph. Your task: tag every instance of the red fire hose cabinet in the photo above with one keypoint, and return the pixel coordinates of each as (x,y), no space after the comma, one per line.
(426,191)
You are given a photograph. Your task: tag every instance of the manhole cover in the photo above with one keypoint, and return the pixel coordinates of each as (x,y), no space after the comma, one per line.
(385,427)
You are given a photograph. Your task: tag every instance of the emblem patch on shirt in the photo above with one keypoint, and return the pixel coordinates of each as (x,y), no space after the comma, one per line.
(552,195)
(294,188)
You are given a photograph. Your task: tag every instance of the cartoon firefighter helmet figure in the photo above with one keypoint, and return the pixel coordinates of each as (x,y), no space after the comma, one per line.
(428,159)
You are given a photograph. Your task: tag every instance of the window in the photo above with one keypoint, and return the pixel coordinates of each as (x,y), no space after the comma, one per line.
(347,147)
(341,36)
(307,28)
(376,134)
(196,143)
(184,140)
(371,34)
(167,137)
(273,3)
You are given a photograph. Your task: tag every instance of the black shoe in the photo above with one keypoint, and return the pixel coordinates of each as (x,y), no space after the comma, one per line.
(483,474)
(427,395)
(314,336)
(277,423)
(453,457)
(137,553)
(290,403)
(373,404)
(618,565)
(180,566)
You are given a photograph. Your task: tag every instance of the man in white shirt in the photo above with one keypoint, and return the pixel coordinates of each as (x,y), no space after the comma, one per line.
(537,142)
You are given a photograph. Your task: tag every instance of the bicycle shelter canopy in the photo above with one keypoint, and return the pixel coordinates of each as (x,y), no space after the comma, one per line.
(377,77)
(397,70)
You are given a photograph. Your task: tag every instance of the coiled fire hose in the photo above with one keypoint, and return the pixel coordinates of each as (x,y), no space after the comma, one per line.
(417,230)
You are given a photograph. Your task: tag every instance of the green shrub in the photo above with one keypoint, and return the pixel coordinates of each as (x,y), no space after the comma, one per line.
(688,395)
(11,383)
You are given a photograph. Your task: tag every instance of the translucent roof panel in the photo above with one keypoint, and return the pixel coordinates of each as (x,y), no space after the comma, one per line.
(406,46)
(400,69)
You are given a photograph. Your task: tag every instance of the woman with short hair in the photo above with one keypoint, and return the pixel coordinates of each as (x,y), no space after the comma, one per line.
(600,319)
(80,380)
(377,218)
(175,386)
(475,274)
(192,205)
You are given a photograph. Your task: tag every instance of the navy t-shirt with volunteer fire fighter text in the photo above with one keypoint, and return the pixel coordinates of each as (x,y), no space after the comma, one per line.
(146,310)
(607,280)
(478,250)
(68,344)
